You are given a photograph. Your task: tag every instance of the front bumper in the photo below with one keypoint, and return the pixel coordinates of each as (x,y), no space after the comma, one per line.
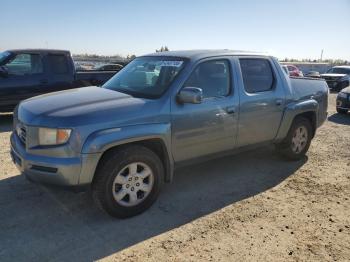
(73,171)
(343,102)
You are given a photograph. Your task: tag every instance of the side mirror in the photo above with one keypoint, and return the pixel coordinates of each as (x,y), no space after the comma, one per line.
(3,71)
(190,95)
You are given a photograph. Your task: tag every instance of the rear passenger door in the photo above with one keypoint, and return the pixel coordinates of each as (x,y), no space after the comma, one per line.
(262,100)
(61,72)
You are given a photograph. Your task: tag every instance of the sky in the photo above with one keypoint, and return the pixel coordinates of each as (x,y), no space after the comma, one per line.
(293,28)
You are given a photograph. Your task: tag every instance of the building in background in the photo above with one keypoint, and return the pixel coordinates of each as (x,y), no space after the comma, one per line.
(306,67)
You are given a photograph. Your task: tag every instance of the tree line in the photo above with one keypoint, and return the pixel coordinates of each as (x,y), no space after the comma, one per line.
(308,60)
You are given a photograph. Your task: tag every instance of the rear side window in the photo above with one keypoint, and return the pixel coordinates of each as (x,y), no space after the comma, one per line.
(212,77)
(58,64)
(257,75)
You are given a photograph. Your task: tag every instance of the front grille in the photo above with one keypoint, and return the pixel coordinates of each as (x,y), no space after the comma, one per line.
(22,132)
(331,82)
(330,78)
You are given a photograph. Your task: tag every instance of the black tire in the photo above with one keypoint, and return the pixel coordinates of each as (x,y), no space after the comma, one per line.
(286,147)
(109,167)
(342,111)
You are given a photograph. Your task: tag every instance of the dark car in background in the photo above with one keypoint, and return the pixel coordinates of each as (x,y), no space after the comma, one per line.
(343,101)
(109,67)
(30,72)
(338,77)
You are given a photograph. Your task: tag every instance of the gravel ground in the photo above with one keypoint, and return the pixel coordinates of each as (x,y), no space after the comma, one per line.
(250,207)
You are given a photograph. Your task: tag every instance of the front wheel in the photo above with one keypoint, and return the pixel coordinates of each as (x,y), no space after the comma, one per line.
(297,142)
(127,181)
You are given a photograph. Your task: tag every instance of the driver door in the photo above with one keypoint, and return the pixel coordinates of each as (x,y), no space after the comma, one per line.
(211,126)
(24,79)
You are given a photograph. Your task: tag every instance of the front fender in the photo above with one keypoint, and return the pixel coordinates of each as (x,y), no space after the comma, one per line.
(102,140)
(291,111)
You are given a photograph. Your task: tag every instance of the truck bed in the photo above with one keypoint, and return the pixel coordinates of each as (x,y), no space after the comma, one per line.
(304,87)
(88,78)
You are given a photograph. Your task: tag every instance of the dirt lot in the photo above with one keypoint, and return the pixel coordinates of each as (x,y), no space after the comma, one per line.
(254,206)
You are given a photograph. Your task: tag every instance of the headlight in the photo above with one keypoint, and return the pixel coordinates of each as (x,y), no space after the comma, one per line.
(53,136)
(343,95)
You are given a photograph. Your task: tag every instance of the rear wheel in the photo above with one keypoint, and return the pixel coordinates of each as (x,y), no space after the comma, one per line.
(297,142)
(342,111)
(127,181)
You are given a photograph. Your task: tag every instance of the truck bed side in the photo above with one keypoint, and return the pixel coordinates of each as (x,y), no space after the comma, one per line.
(96,78)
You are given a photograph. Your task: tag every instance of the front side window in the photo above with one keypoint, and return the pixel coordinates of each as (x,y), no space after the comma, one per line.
(24,64)
(147,77)
(212,77)
(257,75)
(58,64)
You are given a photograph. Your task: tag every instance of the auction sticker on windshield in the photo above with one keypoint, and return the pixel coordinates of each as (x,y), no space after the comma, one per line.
(171,63)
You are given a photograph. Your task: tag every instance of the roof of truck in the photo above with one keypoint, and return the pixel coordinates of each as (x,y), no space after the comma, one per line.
(198,54)
(38,51)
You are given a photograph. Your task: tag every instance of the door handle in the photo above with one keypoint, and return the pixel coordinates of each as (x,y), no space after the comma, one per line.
(43,81)
(279,102)
(230,110)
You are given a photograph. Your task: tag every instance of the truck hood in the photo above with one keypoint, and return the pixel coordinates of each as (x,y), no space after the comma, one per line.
(88,106)
(333,75)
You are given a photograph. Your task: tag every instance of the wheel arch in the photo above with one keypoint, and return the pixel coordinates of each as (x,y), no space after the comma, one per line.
(307,109)
(154,137)
(154,144)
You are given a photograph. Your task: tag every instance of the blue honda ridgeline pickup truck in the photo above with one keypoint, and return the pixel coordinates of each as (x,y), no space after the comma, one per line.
(124,139)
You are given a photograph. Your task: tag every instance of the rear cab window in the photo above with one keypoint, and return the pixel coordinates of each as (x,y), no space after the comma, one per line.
(58,63)
(257,75)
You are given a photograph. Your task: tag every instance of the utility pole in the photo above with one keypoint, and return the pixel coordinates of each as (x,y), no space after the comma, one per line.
(321,55)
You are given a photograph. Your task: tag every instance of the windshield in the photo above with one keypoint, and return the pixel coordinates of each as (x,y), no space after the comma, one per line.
(339,70)
(3,56)
(147,77)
